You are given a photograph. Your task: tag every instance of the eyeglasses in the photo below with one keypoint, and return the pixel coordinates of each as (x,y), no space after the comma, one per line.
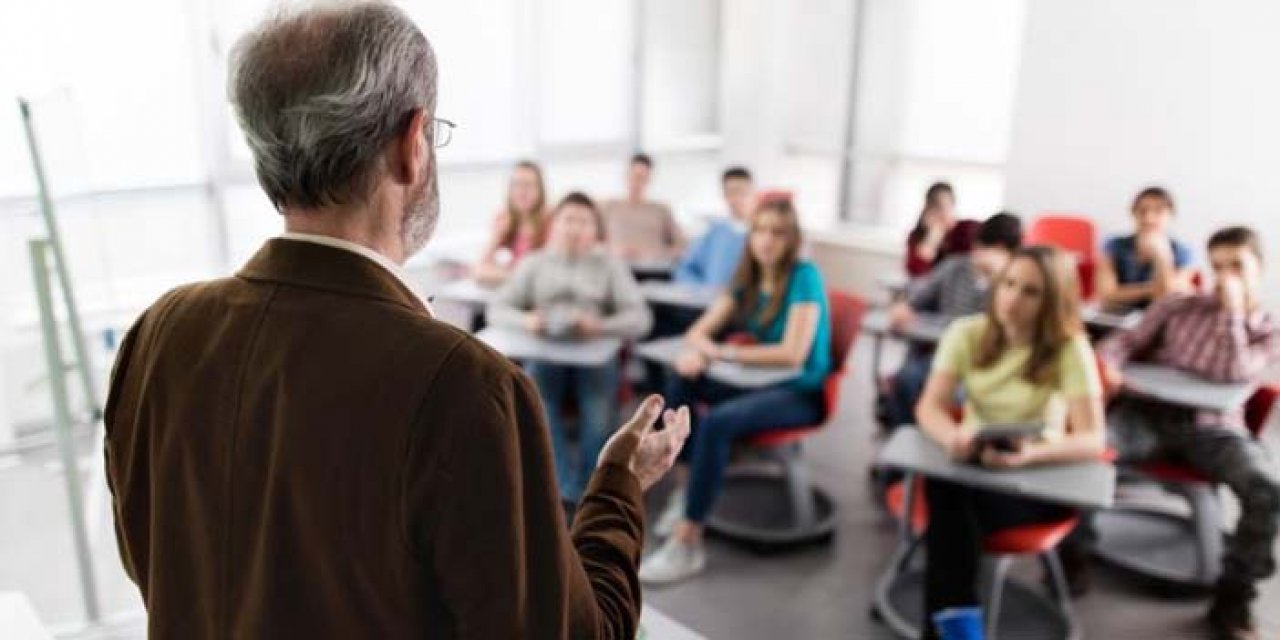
(442,132)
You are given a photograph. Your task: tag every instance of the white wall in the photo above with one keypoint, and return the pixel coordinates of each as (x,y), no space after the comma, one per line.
(1114,96)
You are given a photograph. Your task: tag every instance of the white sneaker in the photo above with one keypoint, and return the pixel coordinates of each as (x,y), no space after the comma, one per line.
(671,515)
(673,562)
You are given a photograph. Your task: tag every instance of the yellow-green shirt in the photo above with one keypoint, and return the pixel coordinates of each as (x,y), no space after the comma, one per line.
(1000,394)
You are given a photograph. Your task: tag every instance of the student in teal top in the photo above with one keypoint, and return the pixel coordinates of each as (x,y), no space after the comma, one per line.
(781,302)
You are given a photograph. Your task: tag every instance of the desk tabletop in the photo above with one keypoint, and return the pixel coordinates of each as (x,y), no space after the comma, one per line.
(1186,389)
(522,345)
(1090,485)
(927,328)
(666,350)
(1110,319)
(466,291)
(679,295)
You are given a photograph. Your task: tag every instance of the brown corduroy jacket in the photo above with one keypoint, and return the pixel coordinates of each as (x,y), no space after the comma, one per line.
(301,451)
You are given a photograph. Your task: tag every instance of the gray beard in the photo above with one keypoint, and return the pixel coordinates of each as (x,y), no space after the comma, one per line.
(418,223)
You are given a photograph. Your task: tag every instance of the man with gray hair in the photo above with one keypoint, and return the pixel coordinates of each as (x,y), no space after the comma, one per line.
(302,450)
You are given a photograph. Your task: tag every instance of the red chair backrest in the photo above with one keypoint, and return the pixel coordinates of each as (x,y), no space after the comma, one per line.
(846,312)
(1070,232)
(1258,408)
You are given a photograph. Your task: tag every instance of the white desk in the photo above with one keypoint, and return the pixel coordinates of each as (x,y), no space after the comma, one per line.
(666,350)
(679,295)
(654,625)
(518,344)
(1181,388)
(927,329)
(466,292)
(1110,320)
(1090,485)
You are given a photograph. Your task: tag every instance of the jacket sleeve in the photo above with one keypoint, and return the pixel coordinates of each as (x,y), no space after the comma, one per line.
(484,514)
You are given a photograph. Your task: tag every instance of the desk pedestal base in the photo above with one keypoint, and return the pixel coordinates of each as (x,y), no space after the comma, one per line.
(1157,545)
(757,508)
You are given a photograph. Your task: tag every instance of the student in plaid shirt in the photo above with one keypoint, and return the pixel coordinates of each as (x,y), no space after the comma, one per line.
(1223,335)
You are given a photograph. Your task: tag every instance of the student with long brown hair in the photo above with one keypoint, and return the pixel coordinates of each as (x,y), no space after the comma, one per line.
(519,228)
(780,300)
(1027,359)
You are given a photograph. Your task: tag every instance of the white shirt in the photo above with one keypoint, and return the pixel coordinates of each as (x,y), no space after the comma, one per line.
(346,245)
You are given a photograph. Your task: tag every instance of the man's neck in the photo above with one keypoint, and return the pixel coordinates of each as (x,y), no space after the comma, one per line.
(636,198)
(355,226)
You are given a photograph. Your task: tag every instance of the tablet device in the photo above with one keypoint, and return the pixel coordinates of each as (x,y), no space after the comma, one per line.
(1005,436)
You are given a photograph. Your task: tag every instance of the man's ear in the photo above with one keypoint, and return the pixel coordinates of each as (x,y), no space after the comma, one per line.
(410,153)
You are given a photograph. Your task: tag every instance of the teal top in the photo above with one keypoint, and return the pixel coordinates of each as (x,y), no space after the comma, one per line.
(805,286)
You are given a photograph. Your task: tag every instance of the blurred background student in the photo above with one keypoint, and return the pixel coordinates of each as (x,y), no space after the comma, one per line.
(1138,269)
(519,228)
(574,289)
(640,229)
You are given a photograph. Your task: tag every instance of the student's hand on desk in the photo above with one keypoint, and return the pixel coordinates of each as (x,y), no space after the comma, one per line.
(691,364)
(534,322)
(900,315)
(705,346)
(993,459)
(647,451)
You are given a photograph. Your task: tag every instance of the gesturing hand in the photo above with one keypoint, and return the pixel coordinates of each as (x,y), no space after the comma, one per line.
(648,452)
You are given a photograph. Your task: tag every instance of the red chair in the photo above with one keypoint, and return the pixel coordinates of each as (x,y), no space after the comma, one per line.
(1172,548)
(768,510)
(1073,233)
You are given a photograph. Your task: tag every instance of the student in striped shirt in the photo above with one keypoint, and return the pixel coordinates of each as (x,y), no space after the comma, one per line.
(960,286)
(1226,336)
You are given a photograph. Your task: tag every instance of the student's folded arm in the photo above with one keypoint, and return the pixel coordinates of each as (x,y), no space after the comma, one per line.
(483,515)
(1244,348)
(631,317)
(675,236)
(514,298)
(1120,347)
(797,339)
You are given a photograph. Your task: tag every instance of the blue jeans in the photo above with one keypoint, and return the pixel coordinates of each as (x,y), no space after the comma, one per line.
(734,414)
(596,390)
(908,386)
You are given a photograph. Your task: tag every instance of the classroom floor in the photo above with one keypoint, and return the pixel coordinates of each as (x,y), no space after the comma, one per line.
(819,593)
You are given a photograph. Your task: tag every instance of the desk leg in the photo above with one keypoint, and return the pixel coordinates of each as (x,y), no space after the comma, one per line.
(877,348)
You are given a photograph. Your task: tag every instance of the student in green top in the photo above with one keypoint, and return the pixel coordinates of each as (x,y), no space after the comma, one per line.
(1026,359)
(780,300)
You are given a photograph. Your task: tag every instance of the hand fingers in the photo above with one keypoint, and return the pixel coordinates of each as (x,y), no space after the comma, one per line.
(646,414)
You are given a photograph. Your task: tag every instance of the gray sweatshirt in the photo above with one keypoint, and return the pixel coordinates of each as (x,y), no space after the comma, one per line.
(597,282)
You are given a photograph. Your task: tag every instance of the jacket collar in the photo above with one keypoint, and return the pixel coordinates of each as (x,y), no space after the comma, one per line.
(327,267)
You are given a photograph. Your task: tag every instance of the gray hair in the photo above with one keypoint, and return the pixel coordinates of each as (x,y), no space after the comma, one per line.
(320,91)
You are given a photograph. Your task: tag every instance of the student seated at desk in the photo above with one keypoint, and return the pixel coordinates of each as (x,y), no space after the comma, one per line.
(640,229)
(1138,269)
(959,286)
(519,228)
(781,301)
(574,288)
(711,260)
(1224,336)
(1027,359)
(937,233)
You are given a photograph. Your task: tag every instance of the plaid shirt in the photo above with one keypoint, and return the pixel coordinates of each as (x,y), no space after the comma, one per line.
(1196,334)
